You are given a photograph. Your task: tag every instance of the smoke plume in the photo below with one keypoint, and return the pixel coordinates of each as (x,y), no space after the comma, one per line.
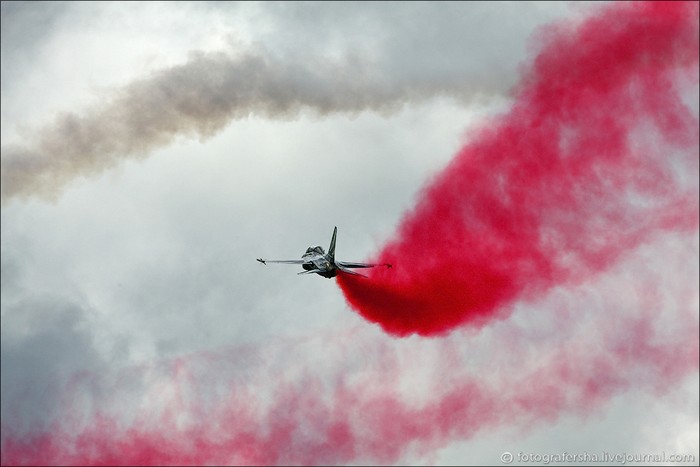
(251,405)
(198,99)
(590,162)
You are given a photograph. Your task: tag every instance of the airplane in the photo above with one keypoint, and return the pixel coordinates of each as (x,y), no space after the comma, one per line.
(317,261)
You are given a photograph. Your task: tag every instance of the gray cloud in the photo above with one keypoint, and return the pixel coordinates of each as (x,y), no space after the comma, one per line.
(29,25)
(44,343)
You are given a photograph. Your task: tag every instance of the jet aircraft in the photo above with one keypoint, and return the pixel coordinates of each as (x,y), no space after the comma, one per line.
(317,261)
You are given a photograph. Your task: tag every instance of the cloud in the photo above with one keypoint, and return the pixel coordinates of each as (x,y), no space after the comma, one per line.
(45,340)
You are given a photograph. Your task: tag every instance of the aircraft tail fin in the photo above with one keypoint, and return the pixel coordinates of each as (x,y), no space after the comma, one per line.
(331,249)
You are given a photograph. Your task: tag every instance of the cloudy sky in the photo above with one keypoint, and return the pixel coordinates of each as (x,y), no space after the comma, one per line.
(188,139)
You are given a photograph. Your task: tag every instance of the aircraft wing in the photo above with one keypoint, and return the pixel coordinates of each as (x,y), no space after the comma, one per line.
(281,261)
(344,264)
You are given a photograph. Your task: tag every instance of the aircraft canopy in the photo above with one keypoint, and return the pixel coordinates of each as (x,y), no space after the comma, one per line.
(315,249)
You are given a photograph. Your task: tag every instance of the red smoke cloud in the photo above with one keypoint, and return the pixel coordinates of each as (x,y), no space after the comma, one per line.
(211,409)
(566,189)
(583,168)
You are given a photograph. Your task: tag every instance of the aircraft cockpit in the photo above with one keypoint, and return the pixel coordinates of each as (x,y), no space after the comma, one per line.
(316,250)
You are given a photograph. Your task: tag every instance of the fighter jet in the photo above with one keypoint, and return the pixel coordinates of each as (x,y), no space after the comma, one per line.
(317,261)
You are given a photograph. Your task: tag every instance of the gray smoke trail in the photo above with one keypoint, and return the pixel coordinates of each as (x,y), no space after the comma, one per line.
(198,99)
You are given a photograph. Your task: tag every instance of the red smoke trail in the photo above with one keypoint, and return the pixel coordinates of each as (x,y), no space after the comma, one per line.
(213,415)
(584,167)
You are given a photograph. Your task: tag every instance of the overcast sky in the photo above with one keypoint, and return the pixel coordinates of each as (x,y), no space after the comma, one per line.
(130,254)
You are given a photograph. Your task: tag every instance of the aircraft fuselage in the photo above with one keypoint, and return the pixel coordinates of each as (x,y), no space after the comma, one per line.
(319,263)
